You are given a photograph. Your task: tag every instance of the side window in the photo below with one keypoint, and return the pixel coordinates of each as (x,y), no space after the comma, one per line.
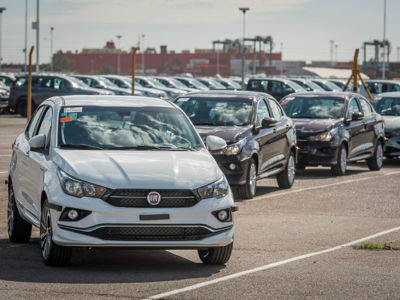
(262,112)
(258,85)
(353,108)
(365,107)
(45,124)
(275,110)
(32,124)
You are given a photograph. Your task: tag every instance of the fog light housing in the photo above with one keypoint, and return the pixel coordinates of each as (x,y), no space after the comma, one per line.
(73,214)
(232,167)
(223,215)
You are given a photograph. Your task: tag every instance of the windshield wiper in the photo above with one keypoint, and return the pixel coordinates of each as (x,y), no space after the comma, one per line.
(149,147)
(81,146)
(206,123)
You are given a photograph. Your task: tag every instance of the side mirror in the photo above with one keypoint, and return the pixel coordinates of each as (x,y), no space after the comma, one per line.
(215,143)
(37,143)
(268,122)
(357,116)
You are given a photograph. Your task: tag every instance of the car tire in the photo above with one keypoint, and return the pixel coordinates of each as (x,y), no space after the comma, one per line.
(376,161)
(286,178)
(248,190)
(216,256)
(340,168)
(52,254)
(22,109)
(300,167)
(19,230)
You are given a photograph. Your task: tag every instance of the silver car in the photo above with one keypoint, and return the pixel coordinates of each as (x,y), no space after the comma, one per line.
(113,171)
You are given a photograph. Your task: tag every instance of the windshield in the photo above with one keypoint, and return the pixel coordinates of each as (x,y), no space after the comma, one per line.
(295,86)
(78,82)
(156,83)
(217,111)
(94,127)
(314,107)
(107,83)
(388,106)
(216,84)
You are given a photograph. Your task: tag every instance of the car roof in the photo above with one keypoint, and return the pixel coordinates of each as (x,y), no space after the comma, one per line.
(390,94)
(345,95)
(115,101)
(383,81)
(272,78)
(227,94)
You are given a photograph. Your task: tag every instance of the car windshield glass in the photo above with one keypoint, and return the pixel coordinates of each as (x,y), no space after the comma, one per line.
(156,83)
(388,106)
(314,86)
(295,86)
(234,84)
(314,107)
(217,111)
(332,86)
(140,128)
(78,83)
(197,84)
(216,84)
(107,83)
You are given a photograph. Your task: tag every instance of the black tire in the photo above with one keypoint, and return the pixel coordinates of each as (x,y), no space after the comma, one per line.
(22,109)
(248,190)
(300,167)
(340,168)
(52,254)
(19,230)
(216,256)
(286,178)
(375,163)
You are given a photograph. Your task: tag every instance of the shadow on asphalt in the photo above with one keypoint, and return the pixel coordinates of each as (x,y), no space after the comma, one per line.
(22,263)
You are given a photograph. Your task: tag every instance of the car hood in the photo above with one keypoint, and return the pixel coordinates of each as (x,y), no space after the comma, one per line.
(231,134)
(314,125)
(140,169)
(391,123)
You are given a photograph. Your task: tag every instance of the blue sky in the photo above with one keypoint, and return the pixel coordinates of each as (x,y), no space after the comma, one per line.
(304,27)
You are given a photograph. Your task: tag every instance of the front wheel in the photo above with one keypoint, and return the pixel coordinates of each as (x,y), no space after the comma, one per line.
(375,162)
(216,256)
(248,190)
(52,254)
(286,177)
(340,167)
(19,230)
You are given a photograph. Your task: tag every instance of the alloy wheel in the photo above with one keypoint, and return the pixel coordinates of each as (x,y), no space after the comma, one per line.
(343,160)
(45,234)
(10,212)
(379,155)
(253,178)
(291,169)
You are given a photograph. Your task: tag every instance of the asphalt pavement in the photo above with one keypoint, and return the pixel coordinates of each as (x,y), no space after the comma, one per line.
(289,244)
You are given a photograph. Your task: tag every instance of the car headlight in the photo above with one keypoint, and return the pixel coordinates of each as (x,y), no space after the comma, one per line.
(79,188)
(217,189)
(323,137)
(232,149)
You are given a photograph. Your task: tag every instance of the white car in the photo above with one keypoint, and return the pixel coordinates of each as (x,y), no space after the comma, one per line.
(111,171)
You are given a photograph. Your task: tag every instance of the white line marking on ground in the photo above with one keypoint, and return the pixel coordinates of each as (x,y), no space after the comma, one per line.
(320,187)
(3,172)
(269,266)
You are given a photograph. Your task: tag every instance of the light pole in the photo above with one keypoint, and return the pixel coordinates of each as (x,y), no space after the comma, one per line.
(384,41)
(143,68)
(1,17)
(26,37)
(51,48)
(119,54)
(243,10)
(35,25)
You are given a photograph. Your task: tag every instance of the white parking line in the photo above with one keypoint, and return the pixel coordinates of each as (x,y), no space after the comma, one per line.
(269,266)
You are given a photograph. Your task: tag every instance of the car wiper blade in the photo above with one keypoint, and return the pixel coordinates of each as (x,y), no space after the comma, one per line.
(206,123)
(81,146)
(149,147)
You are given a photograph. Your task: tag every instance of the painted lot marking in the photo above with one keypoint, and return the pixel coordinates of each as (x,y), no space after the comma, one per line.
(290,260)
(269,266)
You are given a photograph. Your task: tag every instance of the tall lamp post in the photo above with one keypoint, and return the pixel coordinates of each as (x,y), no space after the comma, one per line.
(119,54)
(243,10)
(1,16)
(26,38)
(384,41)
(51,48)
(35,25)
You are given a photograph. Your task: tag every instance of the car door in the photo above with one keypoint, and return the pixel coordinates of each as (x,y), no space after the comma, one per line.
(263,137)
(369,122)
(20,160)
(37,162)
(355,128)
(279,143)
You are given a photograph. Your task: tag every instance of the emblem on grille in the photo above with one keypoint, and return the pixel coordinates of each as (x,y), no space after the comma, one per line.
(153,198)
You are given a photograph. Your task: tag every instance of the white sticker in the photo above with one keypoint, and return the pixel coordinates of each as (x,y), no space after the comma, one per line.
(182,100)
(73,109)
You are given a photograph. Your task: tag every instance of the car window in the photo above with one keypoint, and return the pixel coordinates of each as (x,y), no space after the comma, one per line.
(365,107)
(32,124)
(258,85)
(353,108)
(275,110)
(278,87)
(262,112)
(45,124)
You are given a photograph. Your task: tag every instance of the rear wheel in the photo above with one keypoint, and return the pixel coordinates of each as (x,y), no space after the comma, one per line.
(216,256)
(248,190)
(340,168)
(19,230)
(375,162)
(286,177)
(52,254)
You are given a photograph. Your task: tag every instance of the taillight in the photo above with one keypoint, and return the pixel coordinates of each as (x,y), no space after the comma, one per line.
(13,145)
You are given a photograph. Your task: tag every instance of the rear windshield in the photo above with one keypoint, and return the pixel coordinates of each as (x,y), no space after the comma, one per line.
(313,107)
(388,106)
(217,111)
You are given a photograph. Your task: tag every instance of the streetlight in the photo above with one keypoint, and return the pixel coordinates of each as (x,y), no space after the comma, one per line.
(384,41)
(26,37)
(243,10)
(35,26)
(51,48)
(119,54)
(1,16)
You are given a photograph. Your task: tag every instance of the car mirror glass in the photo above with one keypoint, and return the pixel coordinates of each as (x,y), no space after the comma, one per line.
(215,143)
(38,142)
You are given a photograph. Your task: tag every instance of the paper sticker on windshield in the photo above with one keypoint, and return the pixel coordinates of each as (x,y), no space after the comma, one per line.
(65,119)
(73,109)
(289,98)
(183,99)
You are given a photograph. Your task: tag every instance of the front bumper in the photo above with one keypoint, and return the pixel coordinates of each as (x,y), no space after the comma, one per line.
(316,153)
(238,175)
(3,103)
(392,147)
(119,225)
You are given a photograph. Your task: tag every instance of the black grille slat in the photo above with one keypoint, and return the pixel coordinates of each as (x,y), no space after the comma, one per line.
(156,233)
(138,198)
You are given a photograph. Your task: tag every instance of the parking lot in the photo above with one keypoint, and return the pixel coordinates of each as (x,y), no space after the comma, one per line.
(298,243)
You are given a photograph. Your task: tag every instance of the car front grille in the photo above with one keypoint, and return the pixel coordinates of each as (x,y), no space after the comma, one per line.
(151,233)
(138,198)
